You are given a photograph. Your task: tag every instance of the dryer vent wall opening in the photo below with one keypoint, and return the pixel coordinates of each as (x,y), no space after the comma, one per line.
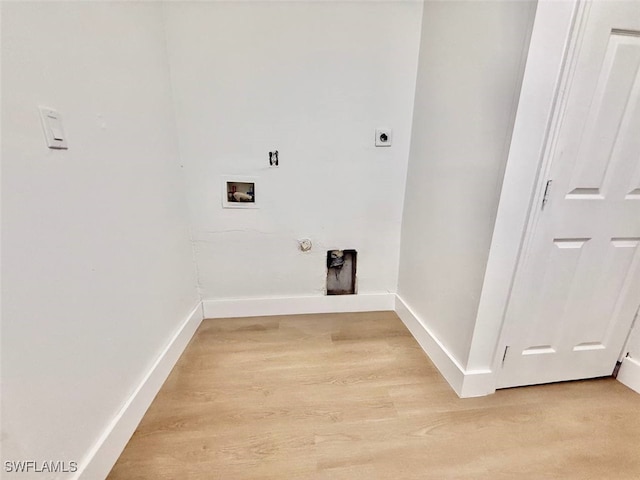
(341,272)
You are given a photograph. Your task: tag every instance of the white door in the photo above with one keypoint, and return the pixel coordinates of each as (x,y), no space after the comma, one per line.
(577,288)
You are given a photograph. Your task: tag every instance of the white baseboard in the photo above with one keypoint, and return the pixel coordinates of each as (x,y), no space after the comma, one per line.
(255,307)
(464,383)
(629,373)
(101,458)
(478,383)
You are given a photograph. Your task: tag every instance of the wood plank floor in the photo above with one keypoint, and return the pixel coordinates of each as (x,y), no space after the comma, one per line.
(352,396)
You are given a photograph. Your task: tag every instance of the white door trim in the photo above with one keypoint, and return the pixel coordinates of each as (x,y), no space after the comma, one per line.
(555,25)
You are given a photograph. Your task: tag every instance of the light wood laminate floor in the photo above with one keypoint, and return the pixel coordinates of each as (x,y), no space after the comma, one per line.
(352,396)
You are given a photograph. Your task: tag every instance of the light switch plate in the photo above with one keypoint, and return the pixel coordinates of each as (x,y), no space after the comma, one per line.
(384,136)
(53,130)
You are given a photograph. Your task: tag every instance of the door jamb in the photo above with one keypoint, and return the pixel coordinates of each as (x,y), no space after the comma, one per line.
(553,48)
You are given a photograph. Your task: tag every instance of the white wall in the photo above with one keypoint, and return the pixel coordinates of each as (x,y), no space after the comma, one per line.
(97,269)
(312,80)
(469,76)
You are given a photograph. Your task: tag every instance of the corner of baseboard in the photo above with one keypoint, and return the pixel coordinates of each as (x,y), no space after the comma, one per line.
(466,384)
(105,452)
(478,383)
(629,373)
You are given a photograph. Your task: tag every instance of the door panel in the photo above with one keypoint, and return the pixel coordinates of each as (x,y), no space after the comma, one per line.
(578,285)
(617,83)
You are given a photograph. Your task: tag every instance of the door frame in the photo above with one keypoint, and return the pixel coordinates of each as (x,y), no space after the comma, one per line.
(555,40)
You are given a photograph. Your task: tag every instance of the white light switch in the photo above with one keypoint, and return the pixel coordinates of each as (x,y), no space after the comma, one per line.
(53,131)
